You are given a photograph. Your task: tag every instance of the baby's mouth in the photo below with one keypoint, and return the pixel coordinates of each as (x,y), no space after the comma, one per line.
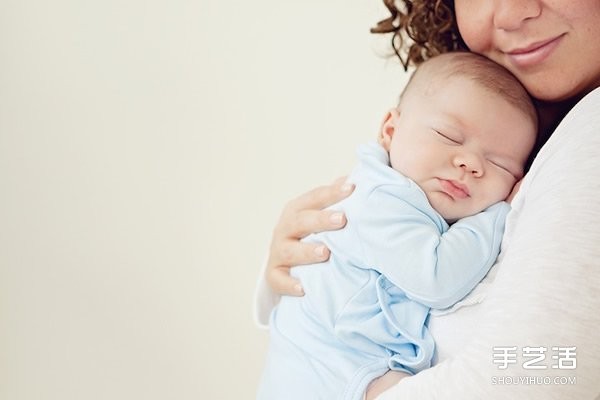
(454,189)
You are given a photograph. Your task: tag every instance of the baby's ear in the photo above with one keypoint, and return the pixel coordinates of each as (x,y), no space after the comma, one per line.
(388,128)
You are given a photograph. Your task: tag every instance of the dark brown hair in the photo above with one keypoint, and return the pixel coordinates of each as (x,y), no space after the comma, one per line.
(421,29)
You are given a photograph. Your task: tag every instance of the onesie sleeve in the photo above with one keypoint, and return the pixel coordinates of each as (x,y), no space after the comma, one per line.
(546,289)
(432,267)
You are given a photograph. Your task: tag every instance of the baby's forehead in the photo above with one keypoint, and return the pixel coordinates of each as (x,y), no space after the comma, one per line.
(471,111)
(470,66)
(452,68)
(433,76)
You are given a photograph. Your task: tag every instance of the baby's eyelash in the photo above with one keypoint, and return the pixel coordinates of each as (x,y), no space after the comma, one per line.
(502,167)
(446,137)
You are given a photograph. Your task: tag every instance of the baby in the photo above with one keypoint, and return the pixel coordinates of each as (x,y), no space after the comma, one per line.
(425,224)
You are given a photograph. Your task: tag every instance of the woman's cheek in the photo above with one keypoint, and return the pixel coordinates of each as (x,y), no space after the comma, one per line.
(474,25)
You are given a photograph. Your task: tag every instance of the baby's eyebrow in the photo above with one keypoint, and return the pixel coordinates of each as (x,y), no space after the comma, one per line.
(455,121)
(454,125)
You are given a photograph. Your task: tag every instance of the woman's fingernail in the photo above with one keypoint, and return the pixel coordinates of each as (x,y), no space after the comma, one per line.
(336,218)
(298,289)
(320,251)
(346,187)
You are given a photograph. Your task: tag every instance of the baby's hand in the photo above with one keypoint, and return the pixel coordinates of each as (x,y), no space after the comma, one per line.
(515,189)
(383,383)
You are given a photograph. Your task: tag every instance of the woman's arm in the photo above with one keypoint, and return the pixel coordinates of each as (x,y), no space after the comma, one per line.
(302,216)
(546,290)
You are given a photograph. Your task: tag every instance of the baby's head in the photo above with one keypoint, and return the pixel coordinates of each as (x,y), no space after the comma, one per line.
(463,131)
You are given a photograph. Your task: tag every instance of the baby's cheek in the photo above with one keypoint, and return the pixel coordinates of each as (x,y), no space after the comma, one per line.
(407,165)
(502,188)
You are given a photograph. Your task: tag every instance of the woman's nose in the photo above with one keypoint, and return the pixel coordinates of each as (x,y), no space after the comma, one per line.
(470,164)
(509,15)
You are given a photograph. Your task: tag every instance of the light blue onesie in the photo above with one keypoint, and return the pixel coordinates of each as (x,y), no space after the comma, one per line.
(366,310)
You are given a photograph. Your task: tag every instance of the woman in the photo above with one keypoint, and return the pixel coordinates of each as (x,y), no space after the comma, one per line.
(526,331)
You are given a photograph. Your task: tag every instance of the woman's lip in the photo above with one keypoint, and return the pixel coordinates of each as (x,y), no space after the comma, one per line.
(455,189)
(534,53)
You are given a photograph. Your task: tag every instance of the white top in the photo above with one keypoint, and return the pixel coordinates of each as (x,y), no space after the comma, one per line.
(543,291)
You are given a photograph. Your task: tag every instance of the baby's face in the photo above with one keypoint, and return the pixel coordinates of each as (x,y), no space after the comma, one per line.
(464,146)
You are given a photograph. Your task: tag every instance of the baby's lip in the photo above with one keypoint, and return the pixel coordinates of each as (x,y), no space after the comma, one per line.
(455,189)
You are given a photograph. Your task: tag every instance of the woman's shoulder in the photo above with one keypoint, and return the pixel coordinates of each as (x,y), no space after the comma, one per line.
(585,111)
(580,128)
(592,98)
(561,173)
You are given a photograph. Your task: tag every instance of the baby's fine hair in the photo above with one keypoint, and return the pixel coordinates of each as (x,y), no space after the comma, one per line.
(492,76)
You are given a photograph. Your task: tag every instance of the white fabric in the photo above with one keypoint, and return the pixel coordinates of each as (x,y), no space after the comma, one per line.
(544,290)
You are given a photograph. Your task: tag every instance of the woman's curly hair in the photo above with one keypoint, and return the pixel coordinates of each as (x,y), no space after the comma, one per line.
(421,29)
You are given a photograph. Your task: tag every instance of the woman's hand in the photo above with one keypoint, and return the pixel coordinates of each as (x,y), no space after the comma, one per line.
(300,217)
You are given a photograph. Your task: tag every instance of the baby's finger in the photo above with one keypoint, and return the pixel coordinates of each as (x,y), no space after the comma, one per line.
(514,191)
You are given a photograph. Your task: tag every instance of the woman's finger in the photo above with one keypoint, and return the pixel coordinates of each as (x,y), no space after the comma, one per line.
(301,217)
(300,224)
(281,282)
(322,197)
(294,252)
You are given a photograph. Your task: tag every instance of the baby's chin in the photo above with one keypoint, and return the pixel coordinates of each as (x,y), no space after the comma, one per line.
(452,218)
(449,208)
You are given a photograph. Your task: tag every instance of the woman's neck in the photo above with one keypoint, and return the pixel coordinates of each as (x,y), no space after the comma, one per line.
(550,114)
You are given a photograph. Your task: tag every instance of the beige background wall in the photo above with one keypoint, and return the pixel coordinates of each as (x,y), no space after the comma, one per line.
(146,150)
